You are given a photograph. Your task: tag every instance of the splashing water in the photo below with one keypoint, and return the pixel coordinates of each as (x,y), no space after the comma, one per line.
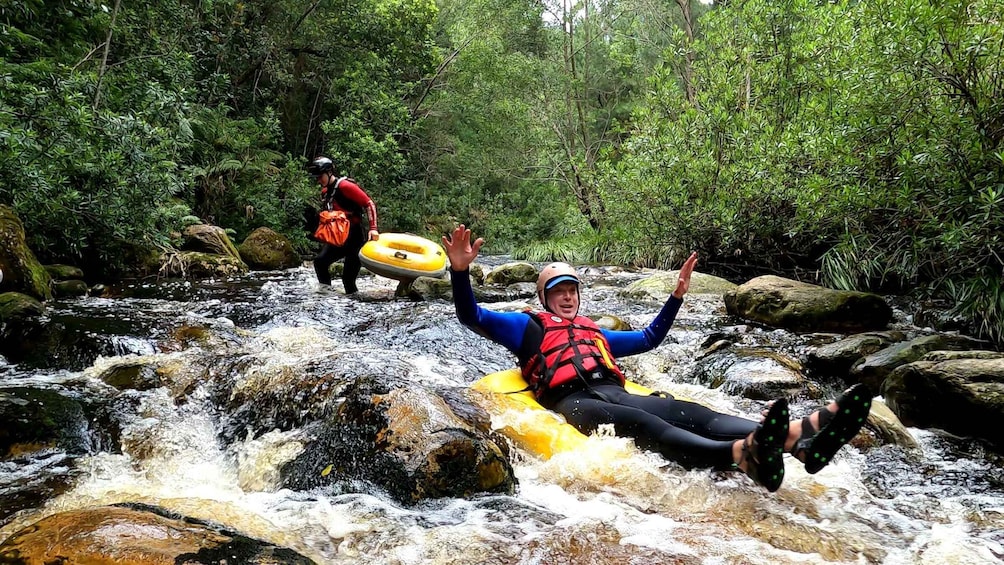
(603,502)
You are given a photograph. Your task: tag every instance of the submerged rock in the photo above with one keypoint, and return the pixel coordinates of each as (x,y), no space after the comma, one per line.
(138,535)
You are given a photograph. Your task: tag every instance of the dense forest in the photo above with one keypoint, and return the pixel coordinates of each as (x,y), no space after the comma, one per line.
(853,144)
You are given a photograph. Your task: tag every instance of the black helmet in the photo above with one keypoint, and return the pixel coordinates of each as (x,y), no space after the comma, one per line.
(319,166)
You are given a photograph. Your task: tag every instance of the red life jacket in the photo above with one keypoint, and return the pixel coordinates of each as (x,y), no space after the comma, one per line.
(335,200)
(568,349)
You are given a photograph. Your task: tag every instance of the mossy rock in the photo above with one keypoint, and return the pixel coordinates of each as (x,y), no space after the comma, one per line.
(17,306)
(64,272)
(505,275)
(69,288)
(802,307)
(21,270)
(32,419)
(267,250)
(196,265)
(213,240)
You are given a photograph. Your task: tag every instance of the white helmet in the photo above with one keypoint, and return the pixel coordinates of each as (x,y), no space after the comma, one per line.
(553,274)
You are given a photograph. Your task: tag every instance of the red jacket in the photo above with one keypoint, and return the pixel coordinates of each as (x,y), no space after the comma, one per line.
(568,350)
(345,195)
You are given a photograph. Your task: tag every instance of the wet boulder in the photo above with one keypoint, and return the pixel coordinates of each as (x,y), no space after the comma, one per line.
(139,535)
(42,436)
(493,294)
(265,249)
(659,286)
(21,270)
(407,441)
(130,373)
(753,374)
(477,271)
(58,341)
(836,359)
(42,433)
(802,307)
(509,273)
(252,406)
(31,479)
(33,419)
(873,369)
(884,428)
(521,290)
(961,392)
(15,306)
(426,288)
(69,288)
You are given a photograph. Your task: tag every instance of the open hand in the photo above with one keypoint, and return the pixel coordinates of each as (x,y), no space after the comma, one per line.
(683,281)
(459,248)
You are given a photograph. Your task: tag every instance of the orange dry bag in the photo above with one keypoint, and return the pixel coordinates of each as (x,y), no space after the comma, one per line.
(333,228)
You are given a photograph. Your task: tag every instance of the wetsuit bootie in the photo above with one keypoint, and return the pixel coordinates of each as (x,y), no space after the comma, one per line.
(816,448)
(764,454)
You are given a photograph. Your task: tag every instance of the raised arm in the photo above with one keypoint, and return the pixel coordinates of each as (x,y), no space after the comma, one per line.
(683,281)
(505,328)
(459,248)
(634,342)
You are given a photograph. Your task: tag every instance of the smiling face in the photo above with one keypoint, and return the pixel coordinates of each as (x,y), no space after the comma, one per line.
(563,299)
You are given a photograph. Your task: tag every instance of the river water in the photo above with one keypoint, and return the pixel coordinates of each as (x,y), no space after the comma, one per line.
(606,502)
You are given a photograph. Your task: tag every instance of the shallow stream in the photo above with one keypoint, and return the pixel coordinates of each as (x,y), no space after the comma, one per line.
(604,503)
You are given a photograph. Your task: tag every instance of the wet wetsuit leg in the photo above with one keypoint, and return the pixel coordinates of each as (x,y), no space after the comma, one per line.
(587,412)
(323,261)
(690,416)
(352,263)
(350,251)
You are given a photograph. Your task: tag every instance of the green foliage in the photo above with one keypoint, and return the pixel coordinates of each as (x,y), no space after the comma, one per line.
(980,298)
(81,180)
(571,241)
(857,144)
(235,165)
(858,141)
(478,148)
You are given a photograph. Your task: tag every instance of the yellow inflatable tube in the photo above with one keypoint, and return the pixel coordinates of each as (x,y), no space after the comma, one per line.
(403,256)
(529,425)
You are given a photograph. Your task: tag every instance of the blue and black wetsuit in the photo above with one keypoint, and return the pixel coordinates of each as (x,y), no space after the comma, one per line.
(687,433)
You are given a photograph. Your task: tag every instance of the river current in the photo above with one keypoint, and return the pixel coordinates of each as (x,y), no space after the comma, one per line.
(606,502)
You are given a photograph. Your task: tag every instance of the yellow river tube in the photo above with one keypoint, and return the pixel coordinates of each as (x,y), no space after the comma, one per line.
(403,256)
(529,425)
